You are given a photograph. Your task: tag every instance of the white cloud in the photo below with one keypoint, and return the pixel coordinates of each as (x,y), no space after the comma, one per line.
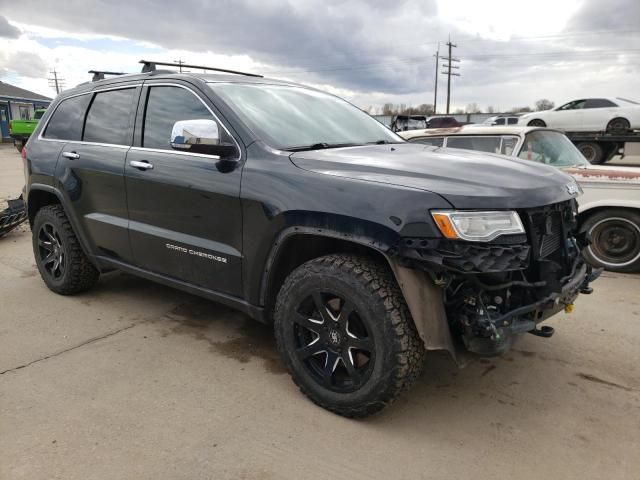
(513,52)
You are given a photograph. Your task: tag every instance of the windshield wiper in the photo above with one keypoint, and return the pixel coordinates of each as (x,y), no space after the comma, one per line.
(320,146)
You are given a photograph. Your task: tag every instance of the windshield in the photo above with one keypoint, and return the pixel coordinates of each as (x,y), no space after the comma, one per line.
(552,148)
(289,117)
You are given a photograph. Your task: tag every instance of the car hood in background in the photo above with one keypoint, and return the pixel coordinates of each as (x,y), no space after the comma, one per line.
(464,178)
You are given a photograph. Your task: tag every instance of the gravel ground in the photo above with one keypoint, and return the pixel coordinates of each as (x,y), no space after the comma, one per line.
(137,381)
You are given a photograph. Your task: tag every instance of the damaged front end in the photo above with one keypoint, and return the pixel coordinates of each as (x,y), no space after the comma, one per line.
(493,291)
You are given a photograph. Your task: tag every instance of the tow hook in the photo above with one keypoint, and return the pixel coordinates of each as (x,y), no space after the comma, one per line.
(592,275)
(545,331)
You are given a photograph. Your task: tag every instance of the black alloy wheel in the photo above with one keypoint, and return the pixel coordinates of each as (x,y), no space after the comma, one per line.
(332,342)
(345,334)
(62,263)
(51,251)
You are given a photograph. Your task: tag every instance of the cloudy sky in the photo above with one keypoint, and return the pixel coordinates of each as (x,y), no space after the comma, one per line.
(512,52)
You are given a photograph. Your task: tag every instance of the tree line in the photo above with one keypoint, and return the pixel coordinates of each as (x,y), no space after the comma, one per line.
(427,108)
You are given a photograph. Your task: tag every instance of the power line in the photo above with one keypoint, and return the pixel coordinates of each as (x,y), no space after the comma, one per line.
(56,82)
(435,89)
(449,72)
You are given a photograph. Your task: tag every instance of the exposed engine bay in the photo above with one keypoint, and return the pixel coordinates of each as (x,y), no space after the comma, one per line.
(494,291)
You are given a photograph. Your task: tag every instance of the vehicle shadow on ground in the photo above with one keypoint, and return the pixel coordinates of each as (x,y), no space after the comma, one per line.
(492,388)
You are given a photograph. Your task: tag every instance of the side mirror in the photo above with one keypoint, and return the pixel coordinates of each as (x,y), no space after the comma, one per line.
(200,136)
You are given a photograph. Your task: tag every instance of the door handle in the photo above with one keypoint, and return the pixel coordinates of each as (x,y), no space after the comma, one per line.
(143,165)
(70,155)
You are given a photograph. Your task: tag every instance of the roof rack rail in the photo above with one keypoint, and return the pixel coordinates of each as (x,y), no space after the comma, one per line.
(99,74)
(150,66)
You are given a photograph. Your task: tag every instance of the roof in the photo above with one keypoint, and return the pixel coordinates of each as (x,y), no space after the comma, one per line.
(471,130)
(11,91)
(170,74)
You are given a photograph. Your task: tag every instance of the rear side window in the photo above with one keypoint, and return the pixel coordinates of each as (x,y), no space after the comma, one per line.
(109,117)
(167,105)
(433,141)
(66,121)
(481,144)
(599,103)
(512,120)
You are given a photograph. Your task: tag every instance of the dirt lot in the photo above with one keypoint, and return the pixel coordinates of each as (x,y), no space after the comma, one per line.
(134,381)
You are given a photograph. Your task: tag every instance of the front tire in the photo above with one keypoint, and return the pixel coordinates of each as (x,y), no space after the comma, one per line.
(345,334)
(61,262)
(536,123)
(615,240)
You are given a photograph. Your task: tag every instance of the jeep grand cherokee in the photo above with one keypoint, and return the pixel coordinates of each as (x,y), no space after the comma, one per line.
(299,209)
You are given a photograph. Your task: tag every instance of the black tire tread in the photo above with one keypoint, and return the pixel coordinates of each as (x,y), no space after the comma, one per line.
(410,351)
(82,275)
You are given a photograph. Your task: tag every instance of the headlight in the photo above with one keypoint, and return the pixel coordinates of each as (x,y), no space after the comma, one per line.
(477,226)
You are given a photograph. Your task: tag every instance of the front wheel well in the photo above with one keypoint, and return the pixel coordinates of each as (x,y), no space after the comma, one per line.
(297,249)
(38,199)
(585,215)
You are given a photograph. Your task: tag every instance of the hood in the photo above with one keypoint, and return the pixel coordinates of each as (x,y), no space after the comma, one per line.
(606,174)
(466,179)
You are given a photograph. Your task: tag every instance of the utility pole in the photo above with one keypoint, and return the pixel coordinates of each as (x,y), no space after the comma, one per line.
(435,92)
(56,82)
(449,72)
(180,63)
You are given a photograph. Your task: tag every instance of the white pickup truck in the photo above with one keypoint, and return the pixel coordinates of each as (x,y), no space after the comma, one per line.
(610,205)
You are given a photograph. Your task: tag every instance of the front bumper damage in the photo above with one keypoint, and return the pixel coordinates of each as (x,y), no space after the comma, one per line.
(481,297)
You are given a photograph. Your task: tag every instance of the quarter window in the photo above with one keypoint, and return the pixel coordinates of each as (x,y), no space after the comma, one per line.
(167,105)
(66,121)
(109,117)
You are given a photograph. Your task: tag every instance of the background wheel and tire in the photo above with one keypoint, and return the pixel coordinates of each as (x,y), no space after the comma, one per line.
(536,123)
(592,152)
(615,240)
(618,125)
(61,262)
(345,334)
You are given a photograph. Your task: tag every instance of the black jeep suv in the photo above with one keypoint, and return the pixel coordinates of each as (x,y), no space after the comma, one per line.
(297,208)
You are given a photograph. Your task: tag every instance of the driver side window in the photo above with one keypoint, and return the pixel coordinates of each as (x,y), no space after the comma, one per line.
(165,106)
(575,105)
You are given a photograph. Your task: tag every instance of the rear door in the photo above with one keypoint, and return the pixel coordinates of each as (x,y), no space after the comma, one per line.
(184,208)
(90,169)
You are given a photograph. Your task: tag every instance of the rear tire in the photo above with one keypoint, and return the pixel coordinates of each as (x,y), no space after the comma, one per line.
(61,262)
(19,144)
(618,125)
(345,334)
(592,152)
(615,240)
(536,123)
